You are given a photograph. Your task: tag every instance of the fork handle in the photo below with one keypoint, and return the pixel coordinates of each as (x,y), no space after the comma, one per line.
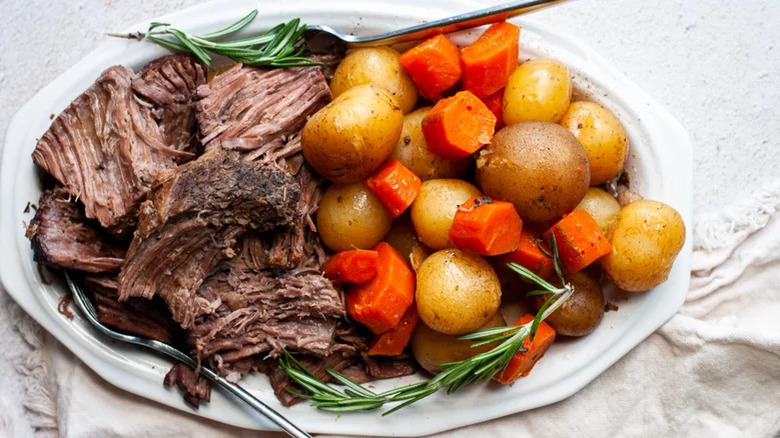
(258,405)
(451,24)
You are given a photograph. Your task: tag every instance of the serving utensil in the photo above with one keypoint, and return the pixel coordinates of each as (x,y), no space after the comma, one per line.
(327,36)
(89,312)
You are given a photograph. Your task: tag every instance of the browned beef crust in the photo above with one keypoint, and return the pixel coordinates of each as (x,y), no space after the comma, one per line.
(192,221)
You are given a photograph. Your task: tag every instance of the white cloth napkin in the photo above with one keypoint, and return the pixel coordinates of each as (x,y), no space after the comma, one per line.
(712,370)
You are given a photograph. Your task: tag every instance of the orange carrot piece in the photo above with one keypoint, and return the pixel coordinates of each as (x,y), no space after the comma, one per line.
(495,103)
(380,303)
(529,255)
(522,363)
(458,126)
(434,66)
(395,185)
(393,341)
(488,61)
(580,240)
(353,266)
(486,227)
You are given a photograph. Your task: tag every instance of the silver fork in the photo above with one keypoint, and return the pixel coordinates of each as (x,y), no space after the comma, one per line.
(89,312)
(325,36)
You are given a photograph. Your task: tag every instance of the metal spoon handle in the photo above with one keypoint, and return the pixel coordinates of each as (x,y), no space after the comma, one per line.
(451,24)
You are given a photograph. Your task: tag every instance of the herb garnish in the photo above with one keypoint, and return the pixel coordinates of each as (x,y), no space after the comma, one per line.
(454,375)
(281,46)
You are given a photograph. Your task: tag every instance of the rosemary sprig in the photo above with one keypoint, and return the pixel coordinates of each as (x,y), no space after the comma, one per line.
(454,375)
(281,46)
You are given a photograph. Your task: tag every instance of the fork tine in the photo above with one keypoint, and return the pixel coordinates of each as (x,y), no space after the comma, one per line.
(82,301)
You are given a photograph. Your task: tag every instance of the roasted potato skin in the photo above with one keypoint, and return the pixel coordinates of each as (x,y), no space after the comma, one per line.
(582,312)
(457,292)
(434,209)
(602,207)
(602,136)
(539,89)
(412,151)
(537,166)
(350,137)
(432,348)
(350,216)
(375,65)
(645,240)
(402,236)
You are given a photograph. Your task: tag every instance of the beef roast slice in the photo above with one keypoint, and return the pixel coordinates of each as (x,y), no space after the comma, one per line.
(169,85)
(62,236)
(192,220)
(127,319)
(266,312)
(107,147)
(256,110)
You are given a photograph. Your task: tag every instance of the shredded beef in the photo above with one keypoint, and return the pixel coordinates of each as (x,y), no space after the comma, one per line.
(265,312)
(225,245)
(102,284)
(128,320)
(256,110)
(61,236)
(137,316)
(192,221)
(107,147)
(169,84)
(194,386)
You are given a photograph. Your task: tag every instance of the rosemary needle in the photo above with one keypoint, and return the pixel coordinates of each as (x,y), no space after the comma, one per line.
(280,46)
(454,375)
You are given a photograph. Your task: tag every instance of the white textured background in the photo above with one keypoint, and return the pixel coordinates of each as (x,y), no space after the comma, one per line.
(715,66)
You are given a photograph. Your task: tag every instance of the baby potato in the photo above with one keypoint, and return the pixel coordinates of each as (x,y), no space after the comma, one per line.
(402,236)
(645,240)
(432,348)
(350,137)
(603,137)
(539,89)
(412,151)
(537,166)
(582,312)
(375,65)
(350,216)
(602,207)
(434,209)
(457,292)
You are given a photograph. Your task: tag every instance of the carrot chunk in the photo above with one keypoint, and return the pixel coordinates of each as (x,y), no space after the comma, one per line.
(495,103)
(522,363)
(580,240)
(380,303)
(488,61)
(395,185)
(393,341)
(353,266)
(434,66)
(529,255)
(486,227)
(458,126)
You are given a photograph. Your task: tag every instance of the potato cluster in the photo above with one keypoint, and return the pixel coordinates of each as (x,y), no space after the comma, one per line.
(551,156)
